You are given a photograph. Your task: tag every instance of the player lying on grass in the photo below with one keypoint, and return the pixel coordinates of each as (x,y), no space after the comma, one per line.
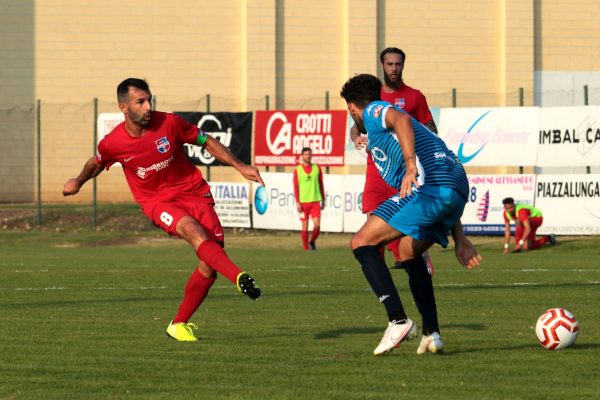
(432,192)
(171,191)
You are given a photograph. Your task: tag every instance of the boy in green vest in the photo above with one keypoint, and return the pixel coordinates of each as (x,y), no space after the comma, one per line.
(310,196)
(527,220)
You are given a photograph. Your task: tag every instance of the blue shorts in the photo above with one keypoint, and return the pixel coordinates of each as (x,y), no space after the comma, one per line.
(427,214)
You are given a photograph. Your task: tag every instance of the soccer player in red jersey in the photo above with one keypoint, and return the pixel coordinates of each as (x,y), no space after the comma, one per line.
(309,192)
(413,102)
(171,191)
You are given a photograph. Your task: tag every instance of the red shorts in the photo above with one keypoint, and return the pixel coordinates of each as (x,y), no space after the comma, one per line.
(167,213)
(376,191)
(312,209)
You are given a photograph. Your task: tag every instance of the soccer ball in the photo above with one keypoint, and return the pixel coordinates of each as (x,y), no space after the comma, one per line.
(556,329)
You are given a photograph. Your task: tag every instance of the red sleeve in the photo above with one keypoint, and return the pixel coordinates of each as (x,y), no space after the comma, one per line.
(422,112)
(186,132)
(321,186)
(296,192)
(103,156)
(504,215)
(523,214)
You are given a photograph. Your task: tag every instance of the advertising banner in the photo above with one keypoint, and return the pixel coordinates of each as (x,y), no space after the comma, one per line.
(570,204)
(233,130)
(569,136)
(232,203)
(281,135)
(483,212)
(353,190)
(275,205)
(491,136)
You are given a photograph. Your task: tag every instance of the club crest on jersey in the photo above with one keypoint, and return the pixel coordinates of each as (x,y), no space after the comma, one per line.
(399,103)
(162,145)
(377,111)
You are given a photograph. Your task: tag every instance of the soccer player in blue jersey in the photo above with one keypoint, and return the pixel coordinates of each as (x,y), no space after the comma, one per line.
(432,192)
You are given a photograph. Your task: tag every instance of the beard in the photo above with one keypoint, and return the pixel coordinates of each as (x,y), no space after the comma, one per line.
(395,82)
(142,119)
(359,124)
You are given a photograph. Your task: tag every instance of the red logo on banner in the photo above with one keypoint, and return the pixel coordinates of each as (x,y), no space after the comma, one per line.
(281,135)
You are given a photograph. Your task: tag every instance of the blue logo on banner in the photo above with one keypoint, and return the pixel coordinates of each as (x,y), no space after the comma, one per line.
(466,158)
(261,200)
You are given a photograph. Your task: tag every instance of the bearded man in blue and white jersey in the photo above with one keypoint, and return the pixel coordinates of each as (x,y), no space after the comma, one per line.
(432,192)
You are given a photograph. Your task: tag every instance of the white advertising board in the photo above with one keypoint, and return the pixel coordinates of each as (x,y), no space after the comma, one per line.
(106,123)
(231,203)
(491,136)
(275,205)
(569,136)
(353,190)
(570,204)
(483,212)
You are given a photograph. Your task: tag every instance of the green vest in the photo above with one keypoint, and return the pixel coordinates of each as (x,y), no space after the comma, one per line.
(308,184)
(535,212)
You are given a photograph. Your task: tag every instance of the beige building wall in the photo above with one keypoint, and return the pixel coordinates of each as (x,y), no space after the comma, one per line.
(250,54)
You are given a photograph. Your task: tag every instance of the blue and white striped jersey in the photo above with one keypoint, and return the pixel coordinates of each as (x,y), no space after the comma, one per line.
(437,165)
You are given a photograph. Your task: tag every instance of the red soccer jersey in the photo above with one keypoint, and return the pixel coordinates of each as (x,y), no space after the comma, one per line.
(410,100)
(155,164)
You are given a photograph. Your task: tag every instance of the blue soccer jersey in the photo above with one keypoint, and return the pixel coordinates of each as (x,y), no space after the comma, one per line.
(436,164)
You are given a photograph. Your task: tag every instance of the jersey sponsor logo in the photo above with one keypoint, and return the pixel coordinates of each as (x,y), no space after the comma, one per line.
(377,111)
(400,103)
(128,159)
(162,145)
(141,171)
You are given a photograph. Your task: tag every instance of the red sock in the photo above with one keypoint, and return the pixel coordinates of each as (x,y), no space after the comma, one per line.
(194,294)
(212,254)
(393,246)
(304,235)
(315,234)
(540,242)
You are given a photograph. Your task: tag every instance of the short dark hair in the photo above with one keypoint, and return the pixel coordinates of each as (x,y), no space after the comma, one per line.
(123,88)
(393,50)
(508,200)
(361,90)
(306,149)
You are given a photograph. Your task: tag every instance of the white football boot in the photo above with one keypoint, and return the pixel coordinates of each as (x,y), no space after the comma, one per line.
(432,343)
(394,335)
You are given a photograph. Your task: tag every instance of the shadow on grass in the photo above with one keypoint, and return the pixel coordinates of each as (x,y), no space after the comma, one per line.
(336,333)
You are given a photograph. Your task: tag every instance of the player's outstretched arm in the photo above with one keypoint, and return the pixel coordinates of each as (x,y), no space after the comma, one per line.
(222,153)
(465,252)
(90,169)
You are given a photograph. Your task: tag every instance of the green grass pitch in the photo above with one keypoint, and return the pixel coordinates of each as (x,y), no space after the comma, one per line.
(83,315)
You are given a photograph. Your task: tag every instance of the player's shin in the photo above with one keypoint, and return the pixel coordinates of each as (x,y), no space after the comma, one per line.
(421,288)
(194,294)
(380,279)
(212,254)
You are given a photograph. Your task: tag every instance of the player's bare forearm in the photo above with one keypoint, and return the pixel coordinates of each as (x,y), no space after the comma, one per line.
(222,153)
(90,170)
